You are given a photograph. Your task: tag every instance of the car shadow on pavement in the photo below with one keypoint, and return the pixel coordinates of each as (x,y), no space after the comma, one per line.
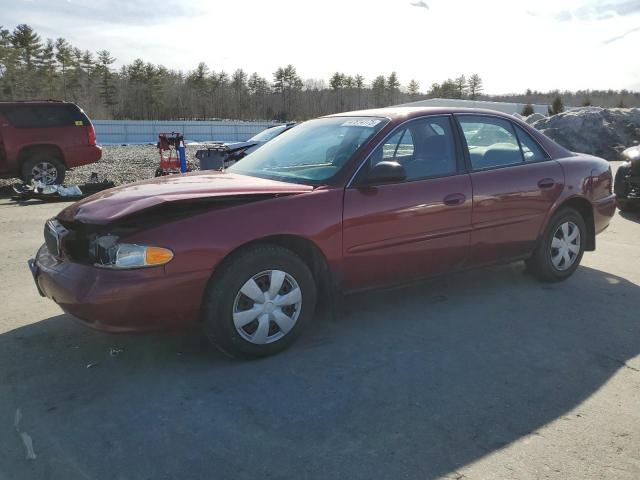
(414,382)
(633,216)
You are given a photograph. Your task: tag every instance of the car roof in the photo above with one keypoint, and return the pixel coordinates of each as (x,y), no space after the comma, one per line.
(395,113)
(19,103)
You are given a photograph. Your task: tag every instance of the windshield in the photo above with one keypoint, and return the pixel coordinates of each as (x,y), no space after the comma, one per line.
(268,133)
(312,152)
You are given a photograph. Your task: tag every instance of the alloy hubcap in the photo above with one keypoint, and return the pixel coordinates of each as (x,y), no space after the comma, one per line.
(267,307)
(44,172)
(565,246)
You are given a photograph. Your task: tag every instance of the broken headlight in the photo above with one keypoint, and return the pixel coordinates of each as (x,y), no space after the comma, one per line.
(107,252)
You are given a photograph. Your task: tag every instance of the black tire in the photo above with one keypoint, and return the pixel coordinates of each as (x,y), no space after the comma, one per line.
(43,158)
(620,185)
(225,284)
(540,263)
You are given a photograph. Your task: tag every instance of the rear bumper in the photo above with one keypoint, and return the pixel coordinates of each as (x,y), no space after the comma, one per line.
(118,300)
(83,156)
(603,211)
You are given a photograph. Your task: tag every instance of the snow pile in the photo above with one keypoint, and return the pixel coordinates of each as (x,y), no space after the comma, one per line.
(604,132)
(533,118)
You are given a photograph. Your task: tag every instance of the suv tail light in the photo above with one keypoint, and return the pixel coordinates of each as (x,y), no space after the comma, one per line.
(91,135)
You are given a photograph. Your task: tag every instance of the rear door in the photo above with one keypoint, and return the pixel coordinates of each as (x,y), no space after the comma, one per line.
(397,232)
(515,183)
(59,124)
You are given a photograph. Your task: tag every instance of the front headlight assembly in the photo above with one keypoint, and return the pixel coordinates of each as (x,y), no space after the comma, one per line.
(107,252)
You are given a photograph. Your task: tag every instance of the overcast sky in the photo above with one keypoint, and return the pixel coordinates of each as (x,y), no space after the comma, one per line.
(513,45)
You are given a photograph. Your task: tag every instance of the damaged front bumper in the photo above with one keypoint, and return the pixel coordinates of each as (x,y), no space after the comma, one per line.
(116,301)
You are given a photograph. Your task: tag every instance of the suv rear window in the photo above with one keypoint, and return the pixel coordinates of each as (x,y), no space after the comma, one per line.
(38,116)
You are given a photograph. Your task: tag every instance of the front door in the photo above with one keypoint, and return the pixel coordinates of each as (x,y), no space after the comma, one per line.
(415,228)
(514,186)
(4,124)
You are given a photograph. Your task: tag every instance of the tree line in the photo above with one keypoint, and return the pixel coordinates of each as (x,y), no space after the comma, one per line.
(35,68)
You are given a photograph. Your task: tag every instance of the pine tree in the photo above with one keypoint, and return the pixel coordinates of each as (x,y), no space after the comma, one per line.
(64,58)
(258,89)
(358,83)
(393,88)
(527,110)
(48,65)
(414,89)
(239,87)
(475,86)
(337,84)
(461,87)
(8,62)
(286,82)
(106,87)
(28,43)
(557,106)
(378,88)
(449,89)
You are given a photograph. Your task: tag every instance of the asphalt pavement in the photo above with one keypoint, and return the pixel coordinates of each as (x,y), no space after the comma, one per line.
(486,374)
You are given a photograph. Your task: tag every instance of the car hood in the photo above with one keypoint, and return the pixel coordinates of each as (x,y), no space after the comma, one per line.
(116,203)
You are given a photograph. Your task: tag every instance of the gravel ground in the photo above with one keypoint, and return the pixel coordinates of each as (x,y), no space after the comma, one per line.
(120,164)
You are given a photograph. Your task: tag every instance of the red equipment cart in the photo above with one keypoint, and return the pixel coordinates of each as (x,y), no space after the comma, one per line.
(169,145)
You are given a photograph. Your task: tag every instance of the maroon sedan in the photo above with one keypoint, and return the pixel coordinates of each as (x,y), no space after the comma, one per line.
(341,203)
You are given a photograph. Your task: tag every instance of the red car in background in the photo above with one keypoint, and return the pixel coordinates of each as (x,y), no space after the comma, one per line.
(41,140)
(338,204)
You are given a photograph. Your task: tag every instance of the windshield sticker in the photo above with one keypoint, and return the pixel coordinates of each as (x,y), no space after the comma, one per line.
(361,122)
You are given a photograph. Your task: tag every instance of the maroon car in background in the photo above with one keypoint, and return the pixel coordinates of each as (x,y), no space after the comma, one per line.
(41,140)
(341,203)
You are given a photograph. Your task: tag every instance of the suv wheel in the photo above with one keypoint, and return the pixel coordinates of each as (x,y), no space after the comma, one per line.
(43,168)
(259,302)
(561,248)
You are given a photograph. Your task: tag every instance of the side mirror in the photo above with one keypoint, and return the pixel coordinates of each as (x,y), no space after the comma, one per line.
(384,172)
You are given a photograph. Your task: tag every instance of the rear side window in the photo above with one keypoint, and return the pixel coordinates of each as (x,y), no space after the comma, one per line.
(491,141)
(530,148)
(39,116)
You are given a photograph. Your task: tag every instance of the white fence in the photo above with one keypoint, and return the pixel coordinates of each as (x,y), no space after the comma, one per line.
(146,131)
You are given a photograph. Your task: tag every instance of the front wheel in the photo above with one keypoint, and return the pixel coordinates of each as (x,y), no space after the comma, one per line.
(259,302)
(561,248)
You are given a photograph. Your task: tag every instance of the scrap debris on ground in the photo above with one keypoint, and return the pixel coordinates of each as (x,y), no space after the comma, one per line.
(59,193)
(119,164)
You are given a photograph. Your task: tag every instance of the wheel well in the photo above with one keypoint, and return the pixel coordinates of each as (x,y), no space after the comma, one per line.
(308,251)
(585,209)
(31,150)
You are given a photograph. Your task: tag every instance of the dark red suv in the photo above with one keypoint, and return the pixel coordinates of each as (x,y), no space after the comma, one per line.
(40,140)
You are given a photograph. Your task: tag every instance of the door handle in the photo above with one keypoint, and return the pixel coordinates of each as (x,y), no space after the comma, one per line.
(454,199)
(546,183)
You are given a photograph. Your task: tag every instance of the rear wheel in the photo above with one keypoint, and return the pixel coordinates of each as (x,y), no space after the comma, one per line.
(259,302)
(561,248)
(621,189)
(43,168)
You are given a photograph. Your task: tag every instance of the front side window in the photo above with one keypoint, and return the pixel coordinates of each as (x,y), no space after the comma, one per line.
(424,147)
(492,142)
(313,151)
